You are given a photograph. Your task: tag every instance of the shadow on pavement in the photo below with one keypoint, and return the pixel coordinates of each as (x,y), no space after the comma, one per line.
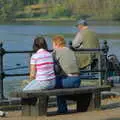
(112,119)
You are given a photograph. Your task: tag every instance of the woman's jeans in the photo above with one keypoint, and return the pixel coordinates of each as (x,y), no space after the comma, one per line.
(37,85)
(65,82)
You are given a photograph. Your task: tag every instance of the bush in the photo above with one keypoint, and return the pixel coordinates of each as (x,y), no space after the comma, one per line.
(116,15)
(82,16)
(58,11)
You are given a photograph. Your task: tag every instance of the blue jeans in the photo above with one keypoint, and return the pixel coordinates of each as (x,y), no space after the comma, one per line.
(65,82)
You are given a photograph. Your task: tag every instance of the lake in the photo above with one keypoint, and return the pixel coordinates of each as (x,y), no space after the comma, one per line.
(20,37)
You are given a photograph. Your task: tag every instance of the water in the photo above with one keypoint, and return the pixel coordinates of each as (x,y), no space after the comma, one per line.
(20,37)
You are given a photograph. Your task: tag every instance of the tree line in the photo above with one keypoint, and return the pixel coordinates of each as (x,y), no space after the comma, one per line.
(96,9)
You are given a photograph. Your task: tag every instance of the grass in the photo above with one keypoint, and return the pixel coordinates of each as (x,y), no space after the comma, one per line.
(44,19)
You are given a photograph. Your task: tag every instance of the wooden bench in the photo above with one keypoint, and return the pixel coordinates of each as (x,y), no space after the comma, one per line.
(35,103)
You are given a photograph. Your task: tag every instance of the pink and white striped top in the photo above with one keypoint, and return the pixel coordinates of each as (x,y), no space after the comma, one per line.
(43,61)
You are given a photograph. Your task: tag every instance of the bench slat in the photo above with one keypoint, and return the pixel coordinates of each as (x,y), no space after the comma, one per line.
(65,91)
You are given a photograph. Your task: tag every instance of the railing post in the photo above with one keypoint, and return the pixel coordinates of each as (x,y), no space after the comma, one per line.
(1,71)
(99,68)
(105,52)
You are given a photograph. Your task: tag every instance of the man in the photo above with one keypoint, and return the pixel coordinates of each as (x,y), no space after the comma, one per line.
(85,38)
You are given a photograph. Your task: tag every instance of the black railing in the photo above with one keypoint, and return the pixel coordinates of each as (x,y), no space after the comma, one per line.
(104,50)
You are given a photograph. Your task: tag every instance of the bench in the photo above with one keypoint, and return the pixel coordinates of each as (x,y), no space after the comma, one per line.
(35,103)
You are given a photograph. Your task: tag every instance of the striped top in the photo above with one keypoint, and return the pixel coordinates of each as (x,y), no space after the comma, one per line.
(43,61)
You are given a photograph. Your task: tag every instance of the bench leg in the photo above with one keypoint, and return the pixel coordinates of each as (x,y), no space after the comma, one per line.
(26,105)
(83,102)
(37,109)
(95,101)
(40,108)
(88,102)
(26,110)
(43,104)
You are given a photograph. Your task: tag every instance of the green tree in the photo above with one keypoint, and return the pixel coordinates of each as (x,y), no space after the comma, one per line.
(59,10)
(115,10)
(116,14)
(8,9)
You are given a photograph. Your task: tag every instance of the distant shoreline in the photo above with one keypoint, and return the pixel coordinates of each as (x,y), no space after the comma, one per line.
(63,20)
(44,20)
(57,21)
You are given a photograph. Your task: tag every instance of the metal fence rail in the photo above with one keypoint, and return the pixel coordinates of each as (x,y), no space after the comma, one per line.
(104,50)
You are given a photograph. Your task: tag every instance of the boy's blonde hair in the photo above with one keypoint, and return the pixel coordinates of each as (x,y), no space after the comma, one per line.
(59,40)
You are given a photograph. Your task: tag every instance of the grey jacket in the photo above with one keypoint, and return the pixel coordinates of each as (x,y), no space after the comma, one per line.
(67,60)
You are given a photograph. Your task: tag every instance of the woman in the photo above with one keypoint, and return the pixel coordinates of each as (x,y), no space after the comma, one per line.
(69,75)
(41,67)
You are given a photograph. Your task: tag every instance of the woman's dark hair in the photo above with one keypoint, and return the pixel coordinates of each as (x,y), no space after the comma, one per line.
(39,42)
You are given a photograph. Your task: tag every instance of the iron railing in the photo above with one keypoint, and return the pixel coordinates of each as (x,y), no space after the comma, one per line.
(104,50)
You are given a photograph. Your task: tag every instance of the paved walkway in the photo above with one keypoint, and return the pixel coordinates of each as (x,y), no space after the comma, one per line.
(110,114)
(110,111)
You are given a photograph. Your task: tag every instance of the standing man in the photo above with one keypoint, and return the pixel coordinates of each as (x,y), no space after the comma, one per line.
(85,38)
